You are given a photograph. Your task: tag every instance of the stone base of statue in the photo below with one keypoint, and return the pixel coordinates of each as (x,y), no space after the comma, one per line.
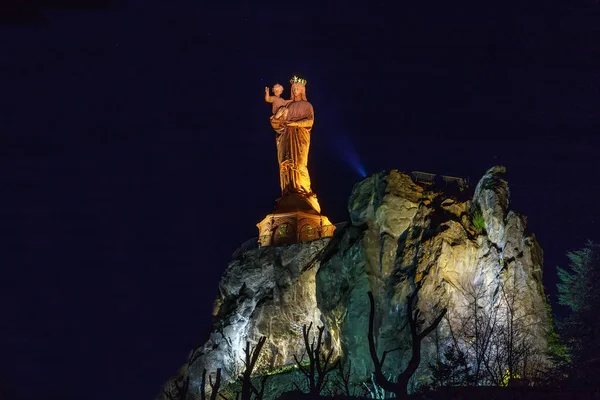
(297,216)
(294,220)
(293,227)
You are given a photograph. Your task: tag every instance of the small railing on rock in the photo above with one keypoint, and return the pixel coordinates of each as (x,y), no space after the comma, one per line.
(429,179)
(423,177)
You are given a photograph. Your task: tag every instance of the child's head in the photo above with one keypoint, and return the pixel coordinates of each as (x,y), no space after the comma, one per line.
(277,89)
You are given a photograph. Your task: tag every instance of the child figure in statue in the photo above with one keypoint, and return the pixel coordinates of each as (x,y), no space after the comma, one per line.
(277,101)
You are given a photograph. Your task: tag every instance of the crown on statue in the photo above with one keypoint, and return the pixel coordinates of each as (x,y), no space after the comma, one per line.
(298,80)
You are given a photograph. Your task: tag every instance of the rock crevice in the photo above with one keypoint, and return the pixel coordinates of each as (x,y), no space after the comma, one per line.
(399,233)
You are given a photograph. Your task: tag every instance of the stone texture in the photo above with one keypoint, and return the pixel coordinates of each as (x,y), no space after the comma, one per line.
(265,292)
(399,233)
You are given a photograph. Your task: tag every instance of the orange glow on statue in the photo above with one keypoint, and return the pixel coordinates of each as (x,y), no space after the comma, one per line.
(292,123)
(297,215)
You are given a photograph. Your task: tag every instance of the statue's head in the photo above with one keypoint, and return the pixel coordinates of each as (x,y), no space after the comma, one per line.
(298,88)
(277,89)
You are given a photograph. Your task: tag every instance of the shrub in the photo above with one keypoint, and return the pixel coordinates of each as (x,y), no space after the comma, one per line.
(478,220)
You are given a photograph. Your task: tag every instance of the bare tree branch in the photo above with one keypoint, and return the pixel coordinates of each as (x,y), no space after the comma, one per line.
(319,363)
(400,387)
(251,357)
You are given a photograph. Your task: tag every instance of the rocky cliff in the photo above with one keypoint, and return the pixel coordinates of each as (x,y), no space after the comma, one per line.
(469,252)
(473,257)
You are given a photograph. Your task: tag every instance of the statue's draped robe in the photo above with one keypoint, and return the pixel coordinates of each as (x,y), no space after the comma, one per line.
(293,143)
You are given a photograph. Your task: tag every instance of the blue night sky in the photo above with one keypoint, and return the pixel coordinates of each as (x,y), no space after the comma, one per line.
(136,153)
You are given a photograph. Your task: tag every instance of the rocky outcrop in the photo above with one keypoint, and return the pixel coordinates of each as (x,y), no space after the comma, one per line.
(470,251)
(268,292)
(402,233)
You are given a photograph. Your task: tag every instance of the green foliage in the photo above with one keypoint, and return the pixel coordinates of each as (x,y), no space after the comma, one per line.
(507,377)
(578,291)
(286,369)
(558,351)
(477,220)
(231,391)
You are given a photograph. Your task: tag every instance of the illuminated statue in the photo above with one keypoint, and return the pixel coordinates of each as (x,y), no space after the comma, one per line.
(276,99)
(297,215)
(292,123)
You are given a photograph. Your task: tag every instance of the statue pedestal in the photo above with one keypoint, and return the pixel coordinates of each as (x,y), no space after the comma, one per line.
(293,227)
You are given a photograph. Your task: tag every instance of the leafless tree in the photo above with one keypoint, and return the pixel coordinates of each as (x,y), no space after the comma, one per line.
(514,351)
(492,335)
(179,387)
(342,381)
(472,331)
(250,359)
(400,387)
(319,361)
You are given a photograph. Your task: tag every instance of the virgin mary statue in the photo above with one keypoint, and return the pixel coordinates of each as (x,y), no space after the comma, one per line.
(292,124)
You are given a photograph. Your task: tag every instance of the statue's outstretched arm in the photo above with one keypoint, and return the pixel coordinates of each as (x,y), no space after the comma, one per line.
(268,98)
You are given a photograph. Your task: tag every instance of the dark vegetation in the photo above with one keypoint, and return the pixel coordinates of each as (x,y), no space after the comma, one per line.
(579,292)
(483,360)
(319,361)
(400,386)
(494,364)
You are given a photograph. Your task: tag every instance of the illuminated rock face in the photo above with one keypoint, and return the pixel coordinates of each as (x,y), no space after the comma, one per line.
(265,292)
(400,230)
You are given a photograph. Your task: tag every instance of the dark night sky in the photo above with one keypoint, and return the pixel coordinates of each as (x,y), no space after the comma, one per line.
(136,153)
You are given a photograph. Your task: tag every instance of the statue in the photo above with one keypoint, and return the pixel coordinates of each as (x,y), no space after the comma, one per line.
(292,122)
(277,101)
(297,215)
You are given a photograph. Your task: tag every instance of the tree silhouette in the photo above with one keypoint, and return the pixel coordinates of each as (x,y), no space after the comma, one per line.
(578,290)
(492,342)
(178,388)
(250,359)
(319,362)
(417,334)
